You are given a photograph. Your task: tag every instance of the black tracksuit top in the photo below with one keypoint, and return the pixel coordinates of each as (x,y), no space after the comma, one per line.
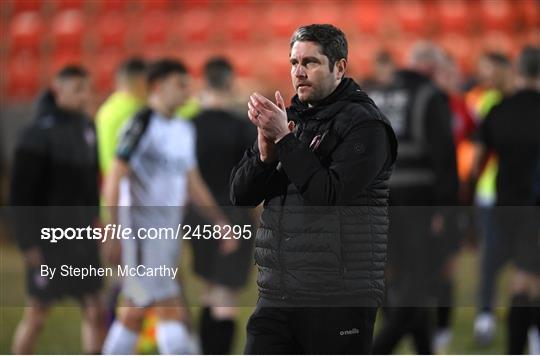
(323,231)
(55,166)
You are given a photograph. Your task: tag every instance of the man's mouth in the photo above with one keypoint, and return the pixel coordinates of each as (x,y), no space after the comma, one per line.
(303,85)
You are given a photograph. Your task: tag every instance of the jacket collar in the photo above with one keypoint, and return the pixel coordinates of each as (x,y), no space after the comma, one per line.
(346,92)
(47,106)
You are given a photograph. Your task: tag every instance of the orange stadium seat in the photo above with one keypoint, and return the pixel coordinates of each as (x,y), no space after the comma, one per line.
(4,32)
(282,19)
(108,6)
(497,15)
(453,16)
(195,58)
(103,67)
(531,13)
(243,58)
(156,5)
(400,48)
(412,16)
(322,13)
(235,30)
(111,30)
(192,26)
(62,5)
(236,3)
(198,4)
(18,6)
(154,28)
(368,16)
(194,29)
(68,28)
(279,66)
(26,31)
(361,55)
(23,77)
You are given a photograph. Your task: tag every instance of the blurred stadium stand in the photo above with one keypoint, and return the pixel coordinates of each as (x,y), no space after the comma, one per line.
(40,36)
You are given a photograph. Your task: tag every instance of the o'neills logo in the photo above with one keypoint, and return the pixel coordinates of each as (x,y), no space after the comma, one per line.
(349,332)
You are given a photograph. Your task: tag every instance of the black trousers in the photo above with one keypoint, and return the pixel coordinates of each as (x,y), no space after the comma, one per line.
(400,322)
(310,330)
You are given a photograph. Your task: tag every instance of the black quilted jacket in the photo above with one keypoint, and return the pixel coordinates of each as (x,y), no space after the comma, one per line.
(323,232)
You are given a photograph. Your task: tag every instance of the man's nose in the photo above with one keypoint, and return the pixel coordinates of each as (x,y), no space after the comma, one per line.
(299,72)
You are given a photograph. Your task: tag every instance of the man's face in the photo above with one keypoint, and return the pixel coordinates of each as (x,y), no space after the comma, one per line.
(384,72)
(486,71)
(72,94)
(139,86)
(448,76)
(174,90)
(310,73)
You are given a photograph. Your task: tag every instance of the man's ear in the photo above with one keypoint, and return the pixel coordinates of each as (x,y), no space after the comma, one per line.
(340,67)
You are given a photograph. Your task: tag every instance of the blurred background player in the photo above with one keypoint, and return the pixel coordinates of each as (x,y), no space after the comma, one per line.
(384,68)
(114,113)
(449,79)
(222,138)
(56,165)
(425,175)
(120,106)
(511,130)
(495,81)
(154,174)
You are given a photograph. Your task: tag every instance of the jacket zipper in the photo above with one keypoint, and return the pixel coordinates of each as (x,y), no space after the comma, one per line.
(280,257)
(283,294)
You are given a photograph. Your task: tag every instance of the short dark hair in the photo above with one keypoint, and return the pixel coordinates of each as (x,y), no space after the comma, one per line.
(218,72)
(72,71)
(163,68)
(528,63)
(331,39)
(498,58)
(384,57)
(132,66)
